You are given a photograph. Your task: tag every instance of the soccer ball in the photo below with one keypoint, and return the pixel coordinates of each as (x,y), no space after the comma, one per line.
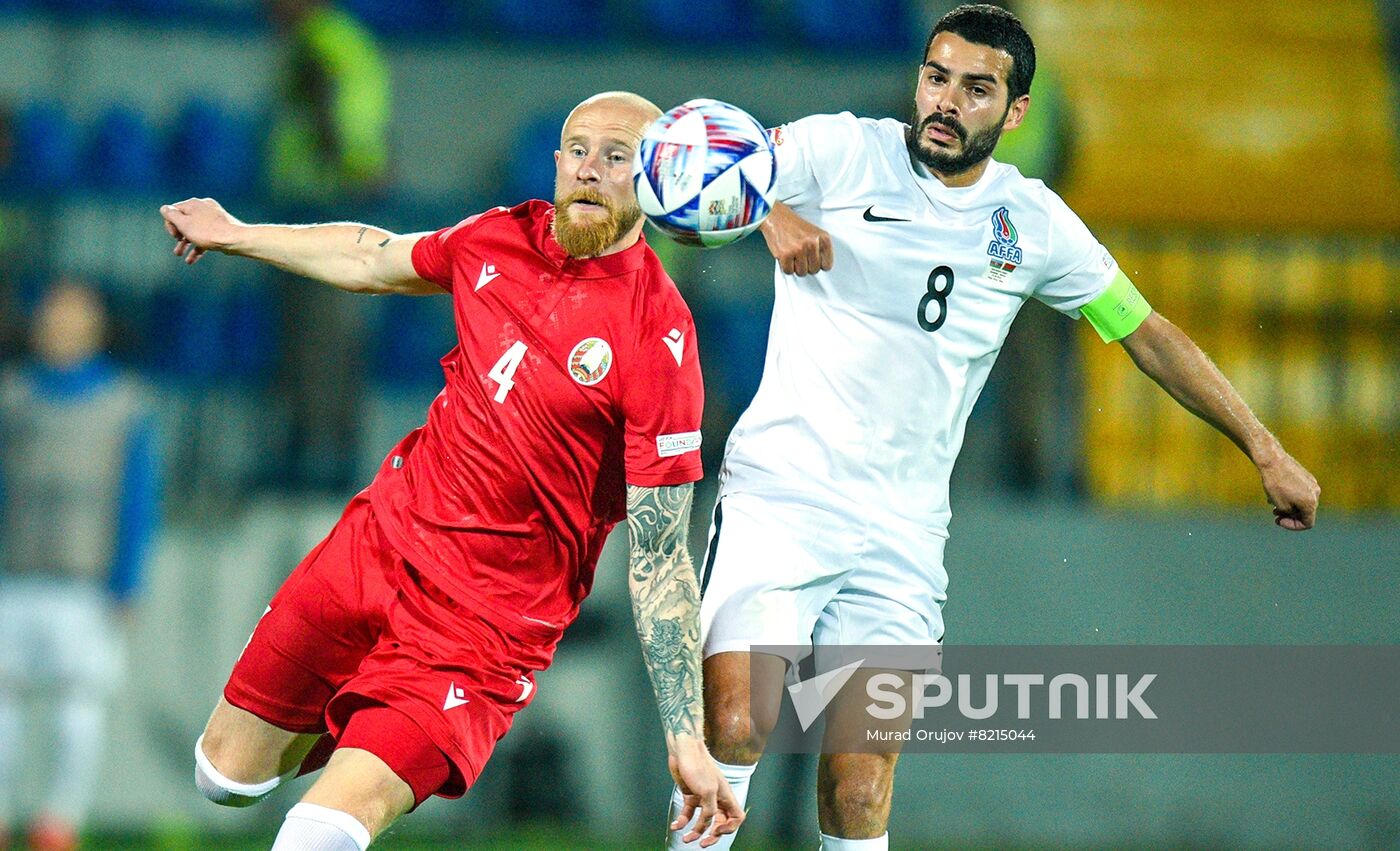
(705,173)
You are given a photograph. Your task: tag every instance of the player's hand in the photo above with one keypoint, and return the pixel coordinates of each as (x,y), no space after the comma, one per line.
(705,790)
(1292,491)
(199,225)
(800,247)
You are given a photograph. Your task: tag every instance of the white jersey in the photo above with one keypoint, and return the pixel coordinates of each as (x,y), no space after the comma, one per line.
(873,367)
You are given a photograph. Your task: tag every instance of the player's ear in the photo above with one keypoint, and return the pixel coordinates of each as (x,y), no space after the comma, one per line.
(1016,113)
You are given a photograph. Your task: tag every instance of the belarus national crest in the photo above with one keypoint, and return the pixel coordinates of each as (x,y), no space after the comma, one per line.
(590,361)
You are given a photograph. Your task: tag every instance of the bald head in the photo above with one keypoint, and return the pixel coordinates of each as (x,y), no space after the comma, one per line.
(621,109)
(595,207)
(70,324)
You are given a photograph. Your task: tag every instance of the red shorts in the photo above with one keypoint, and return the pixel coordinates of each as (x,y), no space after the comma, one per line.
(355,626)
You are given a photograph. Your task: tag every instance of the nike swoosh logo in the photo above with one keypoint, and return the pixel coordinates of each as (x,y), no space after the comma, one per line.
(871,217)
(488,274)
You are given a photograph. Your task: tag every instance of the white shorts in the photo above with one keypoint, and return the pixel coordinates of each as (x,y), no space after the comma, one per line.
(58,633)
(779,572)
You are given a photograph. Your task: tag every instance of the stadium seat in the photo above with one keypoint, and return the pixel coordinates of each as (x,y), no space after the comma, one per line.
(124,155)
(8,163)
(530,169)
(412,336)
(249,317)
(29,286)
(835,25)
(184,328)
(745,332)
(419,18)
(700,21)
(212,151)
(8,7)
(48,148)
(163,10)
(126,316)
(1147,161)
(72,7)
(547,20)
(81,8)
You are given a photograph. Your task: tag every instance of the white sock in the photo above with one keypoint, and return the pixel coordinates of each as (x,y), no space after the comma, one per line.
(738,777)
(836,843)
(221,790)
(312,827)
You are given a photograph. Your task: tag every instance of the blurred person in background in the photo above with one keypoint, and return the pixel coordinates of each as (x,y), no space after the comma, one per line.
(905,255)
(80,492)
(328,148)
(330,134)
(402,646)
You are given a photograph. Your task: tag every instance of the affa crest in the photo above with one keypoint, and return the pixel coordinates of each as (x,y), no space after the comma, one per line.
(1005,254)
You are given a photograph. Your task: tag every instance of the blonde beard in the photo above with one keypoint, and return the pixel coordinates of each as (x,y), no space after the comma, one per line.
(581,240)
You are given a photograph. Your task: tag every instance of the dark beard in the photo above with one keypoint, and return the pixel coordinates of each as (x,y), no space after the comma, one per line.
(974,150)
(590,240)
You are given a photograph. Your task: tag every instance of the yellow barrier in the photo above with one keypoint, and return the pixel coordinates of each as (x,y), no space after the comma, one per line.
(1308,330)
(1251,115)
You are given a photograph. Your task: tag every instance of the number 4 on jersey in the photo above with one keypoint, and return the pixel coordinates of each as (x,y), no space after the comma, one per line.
(505,368)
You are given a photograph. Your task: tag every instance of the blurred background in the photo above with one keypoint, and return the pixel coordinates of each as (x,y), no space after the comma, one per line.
(1238,157)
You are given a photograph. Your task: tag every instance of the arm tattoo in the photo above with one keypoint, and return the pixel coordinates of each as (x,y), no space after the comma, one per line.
(666,602)
(385,242)
(361,236)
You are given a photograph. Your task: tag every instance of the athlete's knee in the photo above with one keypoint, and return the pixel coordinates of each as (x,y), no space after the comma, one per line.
(860,792)
(741,710)
(855,791)
(737,725)
(736,736)
(222,790)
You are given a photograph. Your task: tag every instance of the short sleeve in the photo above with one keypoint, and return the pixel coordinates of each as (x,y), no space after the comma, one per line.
(812,153)
(663,400)
(1079,268)
(432,254)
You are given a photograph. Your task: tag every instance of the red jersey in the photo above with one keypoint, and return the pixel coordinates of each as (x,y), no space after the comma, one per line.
(570,379)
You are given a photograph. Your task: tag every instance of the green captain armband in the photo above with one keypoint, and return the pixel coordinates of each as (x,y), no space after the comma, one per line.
(1118,311)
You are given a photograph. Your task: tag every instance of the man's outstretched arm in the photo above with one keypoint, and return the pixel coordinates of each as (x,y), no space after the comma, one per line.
(352,257)
(666,605)
(800,247)
(1165,354)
